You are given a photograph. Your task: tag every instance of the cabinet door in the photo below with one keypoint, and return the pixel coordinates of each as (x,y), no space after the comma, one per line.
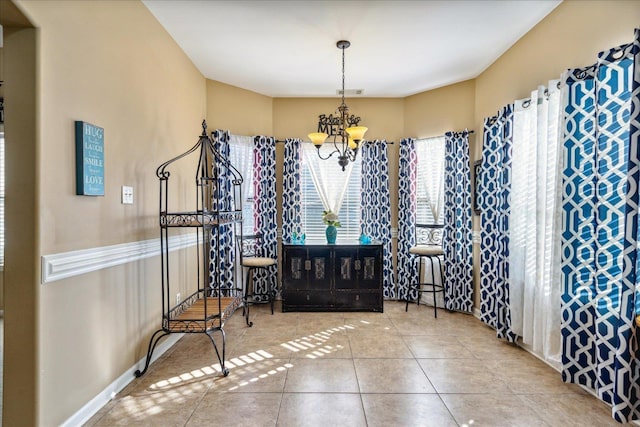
(345,264)
(369,267)
(294,273)
(319,268)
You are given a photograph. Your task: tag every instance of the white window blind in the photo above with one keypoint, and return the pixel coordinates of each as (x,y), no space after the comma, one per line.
(241,157)
(312,206)
(430,180)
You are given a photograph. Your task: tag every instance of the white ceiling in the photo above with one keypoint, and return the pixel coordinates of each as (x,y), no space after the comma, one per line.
(398,48)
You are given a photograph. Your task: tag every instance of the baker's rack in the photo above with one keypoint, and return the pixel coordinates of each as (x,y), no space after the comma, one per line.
(217,219)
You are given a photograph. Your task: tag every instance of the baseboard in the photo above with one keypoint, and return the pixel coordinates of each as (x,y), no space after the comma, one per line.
(69,264)
(94,405)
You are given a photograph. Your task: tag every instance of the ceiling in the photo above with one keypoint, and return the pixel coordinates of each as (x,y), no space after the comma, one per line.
(398,48)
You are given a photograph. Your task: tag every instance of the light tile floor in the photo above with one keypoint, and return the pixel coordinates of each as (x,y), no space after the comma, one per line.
(1,364)
(394,368)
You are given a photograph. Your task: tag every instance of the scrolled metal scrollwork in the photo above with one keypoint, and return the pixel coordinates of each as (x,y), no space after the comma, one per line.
(429,234)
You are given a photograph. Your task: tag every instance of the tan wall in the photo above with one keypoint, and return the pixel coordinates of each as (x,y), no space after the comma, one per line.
(432,113)
(571,36)
(237,110)
(113,65)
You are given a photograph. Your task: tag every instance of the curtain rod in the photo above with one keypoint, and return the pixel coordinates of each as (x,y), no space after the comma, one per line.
(454,133)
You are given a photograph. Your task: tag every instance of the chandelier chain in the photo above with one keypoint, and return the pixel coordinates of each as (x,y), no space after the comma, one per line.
(343,48)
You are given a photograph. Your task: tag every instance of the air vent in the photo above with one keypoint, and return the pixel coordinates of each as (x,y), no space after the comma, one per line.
(350,92)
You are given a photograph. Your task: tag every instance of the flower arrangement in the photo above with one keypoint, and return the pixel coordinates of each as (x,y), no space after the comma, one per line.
(329,218)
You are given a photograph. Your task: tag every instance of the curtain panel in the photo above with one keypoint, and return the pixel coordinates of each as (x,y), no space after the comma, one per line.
(222,236)
(329,180)
(535,221)
(376,205)
(407,268)
(600,268)
(291,193)
(264,211)
(493,197)
(457,236)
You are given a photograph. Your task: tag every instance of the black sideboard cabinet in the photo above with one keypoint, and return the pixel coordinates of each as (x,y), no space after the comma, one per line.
(346,276)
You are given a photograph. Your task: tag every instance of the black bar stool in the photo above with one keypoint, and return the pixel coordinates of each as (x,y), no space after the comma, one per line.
(429,248)
(251,258)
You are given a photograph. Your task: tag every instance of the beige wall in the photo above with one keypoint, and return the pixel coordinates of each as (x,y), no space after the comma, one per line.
(432,113)
(237,110)
(111,64)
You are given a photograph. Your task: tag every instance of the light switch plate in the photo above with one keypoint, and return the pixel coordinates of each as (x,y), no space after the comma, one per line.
(127,195)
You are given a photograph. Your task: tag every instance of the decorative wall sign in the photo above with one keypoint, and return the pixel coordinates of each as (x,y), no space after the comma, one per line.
(89,159)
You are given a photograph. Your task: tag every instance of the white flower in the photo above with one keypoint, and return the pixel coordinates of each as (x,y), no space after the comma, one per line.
(331,217)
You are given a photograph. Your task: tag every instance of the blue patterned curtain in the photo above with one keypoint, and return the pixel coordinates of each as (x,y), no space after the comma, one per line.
(264,210)
(493,197)
(375,208)
(457,238)
(407,203)
(600,268)
(222,236)
(291,194)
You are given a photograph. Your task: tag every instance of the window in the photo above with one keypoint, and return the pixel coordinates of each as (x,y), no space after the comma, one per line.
(332,177)
(430,180)
(241,157)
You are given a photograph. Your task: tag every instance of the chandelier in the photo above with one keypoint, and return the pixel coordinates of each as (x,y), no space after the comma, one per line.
(343,128)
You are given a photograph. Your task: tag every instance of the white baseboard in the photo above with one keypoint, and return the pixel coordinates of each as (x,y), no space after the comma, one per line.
(94,405)
(69,264)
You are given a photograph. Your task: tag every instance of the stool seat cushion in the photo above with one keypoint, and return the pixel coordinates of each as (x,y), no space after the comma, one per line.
(258,261)
(427,250)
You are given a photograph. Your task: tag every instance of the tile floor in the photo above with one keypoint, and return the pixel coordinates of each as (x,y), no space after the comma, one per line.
(1,363)
(353,369)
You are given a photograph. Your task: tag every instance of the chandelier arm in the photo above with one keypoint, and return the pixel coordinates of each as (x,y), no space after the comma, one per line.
(330,154)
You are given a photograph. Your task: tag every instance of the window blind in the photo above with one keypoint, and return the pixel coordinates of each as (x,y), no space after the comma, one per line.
(312,206)
(430,180)
(241,157)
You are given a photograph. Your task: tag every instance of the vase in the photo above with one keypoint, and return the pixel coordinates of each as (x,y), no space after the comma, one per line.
(331,232)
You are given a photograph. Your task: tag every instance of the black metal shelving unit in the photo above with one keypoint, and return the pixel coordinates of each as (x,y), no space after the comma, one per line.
(216,218)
